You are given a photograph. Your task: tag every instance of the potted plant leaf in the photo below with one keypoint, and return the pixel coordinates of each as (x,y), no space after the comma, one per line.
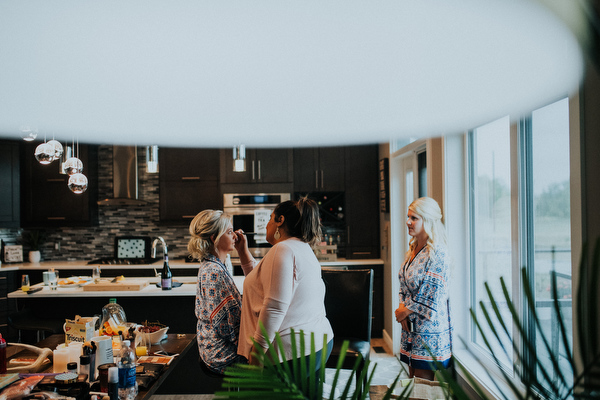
(33,240)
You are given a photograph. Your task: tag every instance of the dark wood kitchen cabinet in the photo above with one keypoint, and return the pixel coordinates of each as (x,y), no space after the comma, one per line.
(362,201)
(319,169)
(189,183)
(46,200)
(262,166)
(10,207)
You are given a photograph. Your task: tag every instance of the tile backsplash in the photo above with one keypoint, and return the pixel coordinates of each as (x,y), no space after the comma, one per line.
(87,243)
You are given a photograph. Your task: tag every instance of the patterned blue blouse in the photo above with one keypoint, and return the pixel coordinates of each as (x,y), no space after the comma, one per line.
(218,309)
(424,290)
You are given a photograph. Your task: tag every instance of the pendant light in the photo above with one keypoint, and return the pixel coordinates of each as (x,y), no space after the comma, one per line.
(58,149)
(28,134)
(73,165)
(78,182)
(67,153)
(44,153)
(239,158)
(152,159)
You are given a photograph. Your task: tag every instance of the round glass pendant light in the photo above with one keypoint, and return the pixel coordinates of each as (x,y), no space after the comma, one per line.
(28,134)
(44,153)
(78,183)
(73,166)
(58,148)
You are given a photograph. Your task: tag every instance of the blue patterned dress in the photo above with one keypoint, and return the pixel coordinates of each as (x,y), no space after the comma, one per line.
(424,290)
(218,309)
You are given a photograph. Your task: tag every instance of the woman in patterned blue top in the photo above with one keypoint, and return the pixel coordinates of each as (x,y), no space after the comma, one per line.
(424,310)
(218,300)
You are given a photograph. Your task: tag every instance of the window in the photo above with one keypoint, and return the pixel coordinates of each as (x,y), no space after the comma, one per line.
(536,235)
(490,218)
(549,204)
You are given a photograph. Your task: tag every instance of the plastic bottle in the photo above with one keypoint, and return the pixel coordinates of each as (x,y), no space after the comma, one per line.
(2,355)
(113,383)
(113,318)
(128,387)
(166,281)
(84,366)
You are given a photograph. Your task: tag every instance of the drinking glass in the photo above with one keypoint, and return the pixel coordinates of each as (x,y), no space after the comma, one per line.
(142,344)
(53,279)
(96,274)
(25,283)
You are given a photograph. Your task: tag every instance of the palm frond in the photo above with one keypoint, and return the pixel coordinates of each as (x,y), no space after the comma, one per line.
(294,379)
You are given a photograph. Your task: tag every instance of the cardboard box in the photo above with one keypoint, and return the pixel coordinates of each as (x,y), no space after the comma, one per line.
(79,329)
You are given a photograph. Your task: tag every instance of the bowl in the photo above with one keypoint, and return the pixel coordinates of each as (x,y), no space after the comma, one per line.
(153,337)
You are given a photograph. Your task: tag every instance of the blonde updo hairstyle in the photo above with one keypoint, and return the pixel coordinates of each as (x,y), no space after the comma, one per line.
(429,210)
(206,225)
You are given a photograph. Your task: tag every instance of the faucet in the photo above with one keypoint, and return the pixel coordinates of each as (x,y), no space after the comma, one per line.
(164,246)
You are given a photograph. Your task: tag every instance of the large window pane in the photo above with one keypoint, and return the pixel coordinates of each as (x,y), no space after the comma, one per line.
(491,221)
(551,222)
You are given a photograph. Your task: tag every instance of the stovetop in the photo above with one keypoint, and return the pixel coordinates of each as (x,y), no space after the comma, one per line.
(123,261)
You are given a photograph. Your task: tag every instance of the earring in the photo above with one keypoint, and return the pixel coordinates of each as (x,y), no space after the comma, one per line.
(277,235)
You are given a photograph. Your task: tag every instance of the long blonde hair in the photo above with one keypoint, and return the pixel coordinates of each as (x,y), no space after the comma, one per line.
(204,226)
(429,210)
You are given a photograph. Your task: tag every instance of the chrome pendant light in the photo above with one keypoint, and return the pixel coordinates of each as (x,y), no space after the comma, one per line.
(239,158)
(152,159)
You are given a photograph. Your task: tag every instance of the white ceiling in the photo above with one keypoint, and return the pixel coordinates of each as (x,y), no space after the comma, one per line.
(273,72)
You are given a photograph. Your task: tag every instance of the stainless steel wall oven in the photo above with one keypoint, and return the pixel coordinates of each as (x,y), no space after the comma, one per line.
(251,212)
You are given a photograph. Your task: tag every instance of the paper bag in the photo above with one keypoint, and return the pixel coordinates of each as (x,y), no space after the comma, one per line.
(79,329)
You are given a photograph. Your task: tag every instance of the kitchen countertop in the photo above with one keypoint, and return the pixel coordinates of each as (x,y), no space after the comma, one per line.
(188,288)
(174,264)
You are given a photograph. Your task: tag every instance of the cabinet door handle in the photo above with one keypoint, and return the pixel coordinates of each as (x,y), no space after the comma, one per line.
(258,162)
(55,180)
(316,179)
(187,216)
(348,234)
(56,218)
(252,169)
(361,252)
(322,180)
(190,178)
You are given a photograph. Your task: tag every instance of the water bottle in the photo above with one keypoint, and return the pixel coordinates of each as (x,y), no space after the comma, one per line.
(128,387)
(113,318)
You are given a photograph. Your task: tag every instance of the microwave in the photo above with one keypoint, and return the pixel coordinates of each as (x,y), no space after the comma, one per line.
(251,212)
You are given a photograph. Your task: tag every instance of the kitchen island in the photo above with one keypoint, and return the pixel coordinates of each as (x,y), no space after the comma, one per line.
(174,308)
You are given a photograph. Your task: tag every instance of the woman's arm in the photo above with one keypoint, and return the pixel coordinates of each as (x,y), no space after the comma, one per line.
(241,245)
(278,283)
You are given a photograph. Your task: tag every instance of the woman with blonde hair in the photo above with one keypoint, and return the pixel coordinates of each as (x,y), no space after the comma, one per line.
(218,301)
(424,310)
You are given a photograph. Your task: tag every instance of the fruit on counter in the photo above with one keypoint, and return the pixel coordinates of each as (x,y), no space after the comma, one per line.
(120,278)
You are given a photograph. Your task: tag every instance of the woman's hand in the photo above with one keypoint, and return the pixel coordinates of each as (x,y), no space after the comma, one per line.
(402,314)
(241,241)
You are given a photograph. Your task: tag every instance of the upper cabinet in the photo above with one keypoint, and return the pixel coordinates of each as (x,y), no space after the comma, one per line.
(262,166)
(46,200)
(319,169)
(189,183)
(9,182)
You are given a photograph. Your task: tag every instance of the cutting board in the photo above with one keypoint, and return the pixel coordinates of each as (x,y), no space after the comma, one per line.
(121,286)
